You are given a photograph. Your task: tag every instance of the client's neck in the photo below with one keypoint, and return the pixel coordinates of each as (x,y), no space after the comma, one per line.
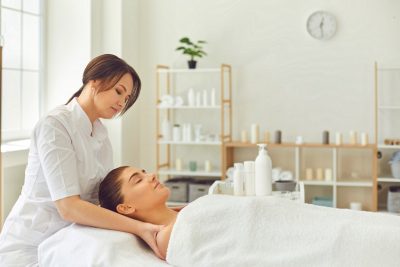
(161,215)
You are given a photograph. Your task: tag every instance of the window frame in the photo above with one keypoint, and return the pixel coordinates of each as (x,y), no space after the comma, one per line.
(11,135)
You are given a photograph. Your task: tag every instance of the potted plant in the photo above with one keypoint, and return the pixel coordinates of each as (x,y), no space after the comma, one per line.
(191,49)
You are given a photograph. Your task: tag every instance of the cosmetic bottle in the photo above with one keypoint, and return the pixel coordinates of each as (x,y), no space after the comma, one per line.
(191,97)
(263,172)
(213,101)
(238,180)
(249,178)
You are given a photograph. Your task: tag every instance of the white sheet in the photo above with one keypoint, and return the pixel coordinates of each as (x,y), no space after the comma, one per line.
(82,246)
(220,230)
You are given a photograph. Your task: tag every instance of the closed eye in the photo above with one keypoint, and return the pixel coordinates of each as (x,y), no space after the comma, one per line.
(118,92)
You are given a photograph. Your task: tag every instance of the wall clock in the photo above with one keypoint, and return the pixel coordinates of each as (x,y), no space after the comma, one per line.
(321,25)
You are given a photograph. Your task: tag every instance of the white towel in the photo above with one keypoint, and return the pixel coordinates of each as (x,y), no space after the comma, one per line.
(220,230)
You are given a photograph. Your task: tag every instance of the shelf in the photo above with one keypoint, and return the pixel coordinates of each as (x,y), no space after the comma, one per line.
(357,184)
(241,144)
(324,183)
(389,146)
(211,143)
(190,107)
(189,173)
(389,107)
(388,180)
(204,70)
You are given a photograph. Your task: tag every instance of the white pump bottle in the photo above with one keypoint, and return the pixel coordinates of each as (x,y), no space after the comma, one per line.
(263,172)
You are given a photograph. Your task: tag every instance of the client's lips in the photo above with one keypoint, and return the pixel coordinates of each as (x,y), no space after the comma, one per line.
(157,184)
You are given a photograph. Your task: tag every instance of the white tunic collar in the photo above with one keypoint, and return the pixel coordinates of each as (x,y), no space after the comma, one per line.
(98,131)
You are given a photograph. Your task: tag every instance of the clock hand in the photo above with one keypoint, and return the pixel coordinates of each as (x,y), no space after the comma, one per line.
(321,26)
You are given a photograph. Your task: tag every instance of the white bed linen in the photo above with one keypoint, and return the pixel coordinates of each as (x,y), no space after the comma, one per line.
(220,230)
(82,246)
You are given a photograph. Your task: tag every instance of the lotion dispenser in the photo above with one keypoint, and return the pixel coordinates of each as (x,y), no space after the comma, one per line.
(263,172)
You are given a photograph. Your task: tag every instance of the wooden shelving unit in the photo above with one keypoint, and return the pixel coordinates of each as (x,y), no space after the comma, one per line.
(342,188)
(220,114)
(387,111)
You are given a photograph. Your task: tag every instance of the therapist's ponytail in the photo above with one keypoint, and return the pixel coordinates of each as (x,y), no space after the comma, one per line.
(108,69)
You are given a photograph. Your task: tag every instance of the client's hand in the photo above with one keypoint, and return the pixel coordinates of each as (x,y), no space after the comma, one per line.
(149,235)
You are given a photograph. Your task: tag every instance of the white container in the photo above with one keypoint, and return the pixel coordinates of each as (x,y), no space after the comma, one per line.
(338,138)
(205,98)
(249,179)
(213,100)
(364,139)
(176,133)
(198,99)
(191,97)
(238,180)
(255,132)
(263,172)
(166,130)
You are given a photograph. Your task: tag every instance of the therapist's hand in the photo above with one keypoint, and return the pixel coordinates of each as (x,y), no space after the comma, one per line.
(149,234)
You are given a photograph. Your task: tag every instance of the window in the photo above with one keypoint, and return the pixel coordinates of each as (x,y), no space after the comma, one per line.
(21,30)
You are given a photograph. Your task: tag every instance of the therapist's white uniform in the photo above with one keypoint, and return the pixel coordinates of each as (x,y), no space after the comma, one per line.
(66,158)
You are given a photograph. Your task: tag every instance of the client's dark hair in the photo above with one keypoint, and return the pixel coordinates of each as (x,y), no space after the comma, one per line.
(110,189)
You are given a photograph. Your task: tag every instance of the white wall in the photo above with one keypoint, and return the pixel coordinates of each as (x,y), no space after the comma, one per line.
(68,50)
(283,78)
(76,32)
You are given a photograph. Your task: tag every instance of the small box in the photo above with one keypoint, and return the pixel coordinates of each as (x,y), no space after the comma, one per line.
(179,189)
(199,189)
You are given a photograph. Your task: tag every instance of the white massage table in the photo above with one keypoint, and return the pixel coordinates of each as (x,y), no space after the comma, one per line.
(215,231)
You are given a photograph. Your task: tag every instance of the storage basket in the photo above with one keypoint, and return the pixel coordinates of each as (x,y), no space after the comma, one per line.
(393,202)
(395,165)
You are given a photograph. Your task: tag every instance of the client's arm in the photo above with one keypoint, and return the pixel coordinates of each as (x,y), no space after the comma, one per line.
(162,239)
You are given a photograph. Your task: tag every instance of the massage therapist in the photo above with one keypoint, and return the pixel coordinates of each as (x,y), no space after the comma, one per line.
(69,156)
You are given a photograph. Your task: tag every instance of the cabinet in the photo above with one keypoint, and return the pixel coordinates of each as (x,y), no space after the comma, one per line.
(352,168)
(387,126)
(206,117)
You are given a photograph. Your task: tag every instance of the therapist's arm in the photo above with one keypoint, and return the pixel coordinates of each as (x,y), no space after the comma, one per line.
(76,210)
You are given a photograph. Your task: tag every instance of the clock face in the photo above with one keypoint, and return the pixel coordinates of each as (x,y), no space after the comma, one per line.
(321,25)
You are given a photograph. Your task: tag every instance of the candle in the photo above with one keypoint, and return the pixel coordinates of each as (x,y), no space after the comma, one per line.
(364,139)
(243,136)
(178,164)
(338,138)
(320,174)
(254,133)
(266,137)
(353,137)
(325,137)
(278,137)
(309,174)
(328,174)
(207,166)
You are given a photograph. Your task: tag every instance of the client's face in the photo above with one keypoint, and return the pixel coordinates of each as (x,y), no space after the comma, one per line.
(142,190)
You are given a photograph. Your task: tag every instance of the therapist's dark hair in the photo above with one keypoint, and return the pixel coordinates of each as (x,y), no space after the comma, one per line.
(108,69)
(110,189)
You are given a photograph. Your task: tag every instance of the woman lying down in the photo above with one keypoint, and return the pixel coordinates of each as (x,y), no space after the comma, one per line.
(220,230)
